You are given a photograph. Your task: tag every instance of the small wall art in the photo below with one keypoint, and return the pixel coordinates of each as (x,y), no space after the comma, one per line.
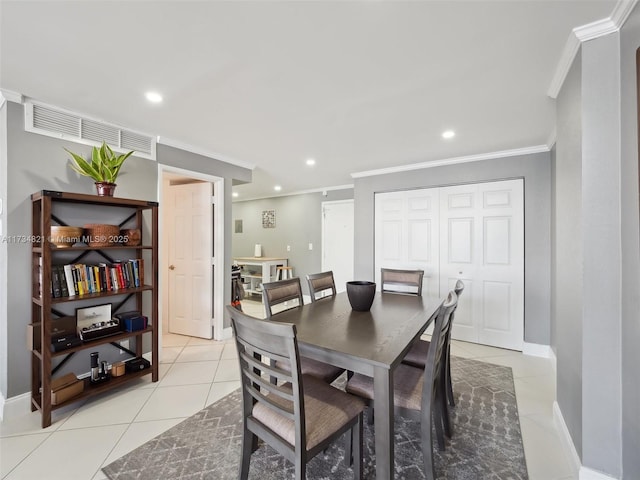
(268,219)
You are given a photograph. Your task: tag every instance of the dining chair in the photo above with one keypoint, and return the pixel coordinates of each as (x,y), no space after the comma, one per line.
(277,293)
(281,292)
(401,281)
(298,418)
(418,353)
(419,393)
(321,283)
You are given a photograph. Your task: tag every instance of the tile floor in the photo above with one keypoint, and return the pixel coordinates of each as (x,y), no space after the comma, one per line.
(195,373)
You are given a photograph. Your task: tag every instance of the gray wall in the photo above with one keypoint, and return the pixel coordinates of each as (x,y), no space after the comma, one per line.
(298,223)
(567,252)
(3,249)
(37,162)
(601,428)
(630,241)
(536,171)
(596,308)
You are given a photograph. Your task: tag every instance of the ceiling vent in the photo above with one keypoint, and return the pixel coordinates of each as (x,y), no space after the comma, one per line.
(54,122)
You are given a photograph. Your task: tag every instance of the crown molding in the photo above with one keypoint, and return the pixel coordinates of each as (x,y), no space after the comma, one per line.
(11,96)
(606,26)
(596,29)
(453,161)
(622,10)
(299,192)
(199,151)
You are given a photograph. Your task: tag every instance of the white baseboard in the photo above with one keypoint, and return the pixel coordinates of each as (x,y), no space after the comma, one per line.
(565,437)
(537,350)
(588,474)
(584,473)
(15,406)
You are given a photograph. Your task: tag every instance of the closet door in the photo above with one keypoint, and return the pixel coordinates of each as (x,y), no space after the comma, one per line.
(482,243)
(474,233)
(406,234)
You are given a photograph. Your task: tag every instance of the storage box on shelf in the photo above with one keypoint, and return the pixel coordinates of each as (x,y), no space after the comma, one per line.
(69,280)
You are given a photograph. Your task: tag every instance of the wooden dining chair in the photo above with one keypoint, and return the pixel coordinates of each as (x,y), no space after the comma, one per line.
(401,281)
(419,393)
(298,418)
(277,293)
(321,283)
(417,355)
(282,292)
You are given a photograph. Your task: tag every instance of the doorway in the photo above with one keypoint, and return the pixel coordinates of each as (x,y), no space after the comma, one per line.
(337,241)
(191,253)
(474,233)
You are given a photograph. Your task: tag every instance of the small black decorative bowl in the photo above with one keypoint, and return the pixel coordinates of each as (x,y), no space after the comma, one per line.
(361,294)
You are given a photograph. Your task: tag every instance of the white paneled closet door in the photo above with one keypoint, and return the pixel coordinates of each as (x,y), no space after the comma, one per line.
(475,233)
(482,243)
(406,235)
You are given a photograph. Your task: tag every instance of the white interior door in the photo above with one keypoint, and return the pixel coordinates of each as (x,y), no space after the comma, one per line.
(337,241)
(406,225)
(190,259)
(476,235)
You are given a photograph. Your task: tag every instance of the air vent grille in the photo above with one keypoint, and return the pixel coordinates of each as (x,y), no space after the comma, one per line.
(99,132)
(58,123)
(134,141)
(54,120)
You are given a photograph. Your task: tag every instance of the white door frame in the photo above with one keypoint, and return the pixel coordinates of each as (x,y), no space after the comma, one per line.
(322,253)
(218,241)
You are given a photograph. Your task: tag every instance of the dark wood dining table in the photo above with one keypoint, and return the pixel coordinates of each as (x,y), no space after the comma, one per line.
(372,343)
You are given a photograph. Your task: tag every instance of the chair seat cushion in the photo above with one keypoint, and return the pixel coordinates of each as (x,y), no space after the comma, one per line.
(417,356)
(407,386)
(326,410)
(308,366)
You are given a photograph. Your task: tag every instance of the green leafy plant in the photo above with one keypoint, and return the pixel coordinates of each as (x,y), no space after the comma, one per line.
(103,166)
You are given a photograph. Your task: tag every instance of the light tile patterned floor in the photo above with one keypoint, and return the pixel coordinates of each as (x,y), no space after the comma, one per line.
(195,373)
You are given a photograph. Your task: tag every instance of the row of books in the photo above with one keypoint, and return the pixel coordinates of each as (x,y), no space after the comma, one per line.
(80,279)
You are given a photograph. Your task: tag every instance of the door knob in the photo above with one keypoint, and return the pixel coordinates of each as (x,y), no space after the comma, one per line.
(172,267)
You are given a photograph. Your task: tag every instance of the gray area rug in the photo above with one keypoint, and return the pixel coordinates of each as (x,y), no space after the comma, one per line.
(486,443)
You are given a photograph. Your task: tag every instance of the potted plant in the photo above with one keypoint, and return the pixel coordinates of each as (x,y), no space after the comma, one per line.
(103,167)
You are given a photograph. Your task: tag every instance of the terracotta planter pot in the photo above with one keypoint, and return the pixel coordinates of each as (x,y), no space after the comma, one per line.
(105,189)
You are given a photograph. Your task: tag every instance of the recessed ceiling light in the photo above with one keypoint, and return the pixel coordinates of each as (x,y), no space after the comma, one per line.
(235,194)
(310,162)
(153,97)
(448,134)
(277,188)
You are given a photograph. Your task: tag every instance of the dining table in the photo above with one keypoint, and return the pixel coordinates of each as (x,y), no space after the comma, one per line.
(372,343)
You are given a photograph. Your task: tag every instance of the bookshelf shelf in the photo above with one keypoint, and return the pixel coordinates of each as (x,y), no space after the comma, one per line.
(47,301)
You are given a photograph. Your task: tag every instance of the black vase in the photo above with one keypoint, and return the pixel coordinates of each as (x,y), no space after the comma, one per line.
(361,294)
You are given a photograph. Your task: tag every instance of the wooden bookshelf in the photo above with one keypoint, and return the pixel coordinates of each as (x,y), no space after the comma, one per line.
(45,255)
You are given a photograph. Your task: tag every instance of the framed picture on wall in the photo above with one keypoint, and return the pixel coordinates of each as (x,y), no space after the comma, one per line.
(268,219)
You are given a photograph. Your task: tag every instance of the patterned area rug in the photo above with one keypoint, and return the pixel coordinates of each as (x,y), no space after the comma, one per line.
(486,443)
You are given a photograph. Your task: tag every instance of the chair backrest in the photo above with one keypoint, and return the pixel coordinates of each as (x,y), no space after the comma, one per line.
(259,342)
(276,293)
(437,348)
(321,283)
(401,281)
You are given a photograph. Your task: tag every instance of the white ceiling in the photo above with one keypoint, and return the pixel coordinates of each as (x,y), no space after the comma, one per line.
(357,85)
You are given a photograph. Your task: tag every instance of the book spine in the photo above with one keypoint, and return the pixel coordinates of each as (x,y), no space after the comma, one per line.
(55,282)
(136,273)
(64,290)
(121,280)
(68,274)
(114,278)
(96,278)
